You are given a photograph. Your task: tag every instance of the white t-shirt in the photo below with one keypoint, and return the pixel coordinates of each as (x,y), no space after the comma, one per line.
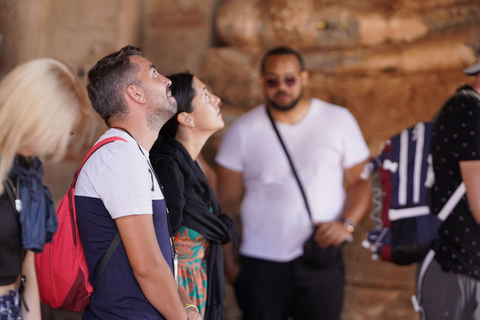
(323,144)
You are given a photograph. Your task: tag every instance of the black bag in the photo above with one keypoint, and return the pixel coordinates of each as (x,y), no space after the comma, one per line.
(317,256)
(312,252)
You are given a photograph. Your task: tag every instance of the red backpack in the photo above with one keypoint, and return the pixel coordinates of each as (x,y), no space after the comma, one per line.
(62,271)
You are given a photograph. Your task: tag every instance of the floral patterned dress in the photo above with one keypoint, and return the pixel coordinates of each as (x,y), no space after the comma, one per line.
(192,249)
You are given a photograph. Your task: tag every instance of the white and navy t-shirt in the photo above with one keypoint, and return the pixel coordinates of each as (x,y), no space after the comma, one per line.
(117,181)
(275,222)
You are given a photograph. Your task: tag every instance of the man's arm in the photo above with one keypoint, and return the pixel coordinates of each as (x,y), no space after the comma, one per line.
(356,206)
(470,171)
(149,266)
(230,193)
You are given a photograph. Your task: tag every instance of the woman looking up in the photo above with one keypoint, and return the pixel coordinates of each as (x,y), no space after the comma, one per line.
(198,225)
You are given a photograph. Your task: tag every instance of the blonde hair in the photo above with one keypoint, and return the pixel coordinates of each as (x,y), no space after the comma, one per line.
(40,102)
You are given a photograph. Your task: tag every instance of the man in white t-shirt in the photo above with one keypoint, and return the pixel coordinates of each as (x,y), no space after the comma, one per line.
(329,153)
(116,192)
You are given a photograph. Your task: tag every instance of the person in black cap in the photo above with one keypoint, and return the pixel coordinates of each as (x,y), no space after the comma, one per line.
(473,70)
(448,281)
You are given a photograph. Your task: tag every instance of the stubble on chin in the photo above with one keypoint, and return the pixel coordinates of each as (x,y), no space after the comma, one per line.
(171,107)
(285,107)
(157,118)
(159,112)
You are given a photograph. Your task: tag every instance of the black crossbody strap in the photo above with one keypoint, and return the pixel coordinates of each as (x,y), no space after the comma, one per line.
(471,92)
(106,257)
(290,161)
(116,240)
(10,194)
(152,171)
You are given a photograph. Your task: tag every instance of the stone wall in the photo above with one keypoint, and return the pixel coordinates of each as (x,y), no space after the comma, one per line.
(390,62)
(383,104)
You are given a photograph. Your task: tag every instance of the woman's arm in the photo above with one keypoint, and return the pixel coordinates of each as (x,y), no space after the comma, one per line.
(192,312)
(30,294)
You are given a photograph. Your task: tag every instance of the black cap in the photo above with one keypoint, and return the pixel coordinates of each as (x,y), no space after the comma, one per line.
(473,69)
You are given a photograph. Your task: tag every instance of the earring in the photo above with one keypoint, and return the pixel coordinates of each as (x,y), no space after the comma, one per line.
(193,126)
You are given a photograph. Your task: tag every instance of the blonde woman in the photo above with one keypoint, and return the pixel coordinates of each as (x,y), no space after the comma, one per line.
(41,105)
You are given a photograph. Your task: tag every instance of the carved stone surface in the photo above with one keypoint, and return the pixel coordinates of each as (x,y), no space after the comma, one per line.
(317,24)
(176,36)
(240,23)
(399,68)
(233,75)
(302,23)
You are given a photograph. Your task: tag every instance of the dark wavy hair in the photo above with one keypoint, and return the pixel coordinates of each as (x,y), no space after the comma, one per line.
(183,92)
(108,78)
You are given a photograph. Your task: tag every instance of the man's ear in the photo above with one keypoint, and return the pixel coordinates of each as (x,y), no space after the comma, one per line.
(305,76)
(136,93)
(261,78)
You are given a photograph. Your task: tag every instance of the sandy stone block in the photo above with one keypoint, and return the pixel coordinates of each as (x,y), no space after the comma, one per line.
(436,56)
(239,23)
(428,3)
(372,29)
(433,55)
(373,303)
(299,23)
(233,76)
(406,28)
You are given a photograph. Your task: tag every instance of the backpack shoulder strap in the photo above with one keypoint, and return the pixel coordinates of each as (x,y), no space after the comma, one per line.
(10,194)
(116,240)
(92,151)
(471,92)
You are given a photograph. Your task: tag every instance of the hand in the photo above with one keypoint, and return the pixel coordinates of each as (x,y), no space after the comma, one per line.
(331,233)
(231,263)
(232,272)
(193,314)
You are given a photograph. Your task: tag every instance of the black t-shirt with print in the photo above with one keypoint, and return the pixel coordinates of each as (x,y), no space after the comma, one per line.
(456,137)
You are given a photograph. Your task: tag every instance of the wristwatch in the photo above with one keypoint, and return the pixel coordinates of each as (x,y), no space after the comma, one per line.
(348,224)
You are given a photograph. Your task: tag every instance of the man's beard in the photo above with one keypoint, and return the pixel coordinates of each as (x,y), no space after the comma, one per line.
(285,108)
(159,111)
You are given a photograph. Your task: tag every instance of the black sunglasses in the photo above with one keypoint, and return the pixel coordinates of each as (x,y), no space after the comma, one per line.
(273,83)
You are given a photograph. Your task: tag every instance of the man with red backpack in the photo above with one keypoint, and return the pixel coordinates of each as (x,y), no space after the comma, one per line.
(117,193)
